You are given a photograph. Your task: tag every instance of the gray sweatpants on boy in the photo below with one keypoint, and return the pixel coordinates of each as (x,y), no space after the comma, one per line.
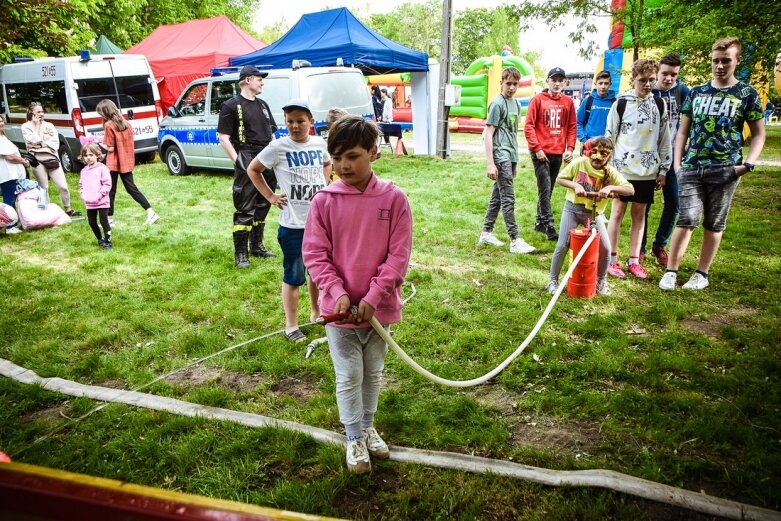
(571,216)
(359,358)
(503,197)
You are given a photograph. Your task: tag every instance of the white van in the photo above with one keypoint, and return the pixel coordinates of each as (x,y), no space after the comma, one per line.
(188,135)
(70,88)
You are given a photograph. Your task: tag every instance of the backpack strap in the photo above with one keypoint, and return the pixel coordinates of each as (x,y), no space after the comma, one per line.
(621,107)
(589,103)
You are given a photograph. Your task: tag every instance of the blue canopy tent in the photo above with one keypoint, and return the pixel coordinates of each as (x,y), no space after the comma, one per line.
(322,38)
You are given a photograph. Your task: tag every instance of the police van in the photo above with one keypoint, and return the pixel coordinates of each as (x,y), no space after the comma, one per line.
(70,88)
(188,135)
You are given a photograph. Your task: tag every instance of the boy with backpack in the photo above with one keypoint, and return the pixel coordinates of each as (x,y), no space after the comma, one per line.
(637,125)
(592,113)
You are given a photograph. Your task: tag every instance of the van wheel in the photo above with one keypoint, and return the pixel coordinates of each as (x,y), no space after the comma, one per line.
(174,160)
(68,164)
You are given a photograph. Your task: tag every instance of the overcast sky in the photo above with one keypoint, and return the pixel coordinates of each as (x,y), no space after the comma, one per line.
(556,52)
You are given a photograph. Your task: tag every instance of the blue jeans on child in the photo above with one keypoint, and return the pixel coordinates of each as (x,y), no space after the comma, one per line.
(571,216)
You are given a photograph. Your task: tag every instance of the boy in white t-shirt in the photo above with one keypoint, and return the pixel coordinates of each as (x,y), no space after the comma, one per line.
(302,166)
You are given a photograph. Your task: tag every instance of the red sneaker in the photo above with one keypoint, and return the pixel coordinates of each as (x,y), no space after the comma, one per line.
(660,254)
(637,270)
(616,271)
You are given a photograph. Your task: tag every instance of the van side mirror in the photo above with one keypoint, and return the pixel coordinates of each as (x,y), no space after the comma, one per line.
(173,112)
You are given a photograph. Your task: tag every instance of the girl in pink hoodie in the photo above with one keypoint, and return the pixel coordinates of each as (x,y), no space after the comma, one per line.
(94,188)
(357,245)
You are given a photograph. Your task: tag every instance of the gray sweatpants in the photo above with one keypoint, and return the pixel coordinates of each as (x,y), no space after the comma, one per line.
(359,358)
(572,215)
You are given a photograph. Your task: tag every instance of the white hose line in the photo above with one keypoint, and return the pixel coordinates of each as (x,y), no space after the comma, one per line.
(477,381)
(606,479)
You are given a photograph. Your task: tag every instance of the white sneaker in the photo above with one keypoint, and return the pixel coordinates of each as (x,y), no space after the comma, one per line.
(489,238)
(377,447)
(552,286)
(358,457)
(152,218)
(518,245)
(697,282)
(603,288)
(668,281)
(12,230)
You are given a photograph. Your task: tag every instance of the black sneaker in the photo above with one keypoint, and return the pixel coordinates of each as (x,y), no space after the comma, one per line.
(107,244)
(73,213)
(551,233)
(541,228)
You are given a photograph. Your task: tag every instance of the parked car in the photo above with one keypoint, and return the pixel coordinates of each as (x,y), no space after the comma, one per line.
(188,135)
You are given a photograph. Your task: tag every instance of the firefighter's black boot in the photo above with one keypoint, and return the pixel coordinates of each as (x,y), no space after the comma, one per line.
(256,248)
(240,248)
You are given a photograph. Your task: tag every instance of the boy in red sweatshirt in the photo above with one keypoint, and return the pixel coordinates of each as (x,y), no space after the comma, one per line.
(551,132)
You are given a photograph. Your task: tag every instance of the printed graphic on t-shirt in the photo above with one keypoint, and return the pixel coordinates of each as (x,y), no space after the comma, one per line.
(716,138)
(590,183)
(299,171)
(306,174)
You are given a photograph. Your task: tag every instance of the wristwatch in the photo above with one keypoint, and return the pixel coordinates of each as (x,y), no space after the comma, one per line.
(749,167)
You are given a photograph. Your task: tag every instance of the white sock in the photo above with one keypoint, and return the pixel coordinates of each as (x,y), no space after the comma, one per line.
(632,260)
(613,258)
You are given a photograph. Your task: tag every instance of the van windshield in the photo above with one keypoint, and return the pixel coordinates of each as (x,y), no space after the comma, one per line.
(343,90)
(134,91)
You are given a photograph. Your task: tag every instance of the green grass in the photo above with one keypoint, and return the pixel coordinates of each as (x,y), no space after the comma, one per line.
(692,400)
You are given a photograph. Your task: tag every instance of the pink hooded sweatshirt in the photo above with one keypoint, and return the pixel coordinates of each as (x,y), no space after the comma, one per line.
(359,244)
(94,186)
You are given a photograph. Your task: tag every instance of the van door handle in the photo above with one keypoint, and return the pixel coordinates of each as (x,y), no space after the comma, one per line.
(201,121)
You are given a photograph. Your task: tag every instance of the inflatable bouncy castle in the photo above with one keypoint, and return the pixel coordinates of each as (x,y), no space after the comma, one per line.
(480,85)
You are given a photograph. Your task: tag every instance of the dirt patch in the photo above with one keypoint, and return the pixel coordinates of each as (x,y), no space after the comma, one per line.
(48,415)
(385,483)
(297,388)
(713,325)
(497,397)
(575,438)
(200,375)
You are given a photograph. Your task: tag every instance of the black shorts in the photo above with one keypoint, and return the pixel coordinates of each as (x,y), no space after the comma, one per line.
(644,192)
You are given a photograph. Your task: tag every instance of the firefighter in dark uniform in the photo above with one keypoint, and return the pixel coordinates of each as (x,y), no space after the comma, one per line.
(245,127)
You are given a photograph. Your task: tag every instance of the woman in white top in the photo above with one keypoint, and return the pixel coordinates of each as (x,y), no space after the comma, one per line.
(12,166)
(42,141)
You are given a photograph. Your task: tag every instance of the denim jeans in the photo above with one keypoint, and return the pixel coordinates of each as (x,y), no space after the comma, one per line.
(669,213)
(707,191)
(503,198)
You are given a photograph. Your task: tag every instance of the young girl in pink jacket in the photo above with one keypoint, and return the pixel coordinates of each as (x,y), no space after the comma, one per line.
(94,188)
(357,244)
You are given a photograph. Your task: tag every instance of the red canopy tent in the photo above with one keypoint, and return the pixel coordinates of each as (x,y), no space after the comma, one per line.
(180,53)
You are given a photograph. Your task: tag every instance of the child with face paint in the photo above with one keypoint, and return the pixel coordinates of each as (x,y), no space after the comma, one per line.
(589,180)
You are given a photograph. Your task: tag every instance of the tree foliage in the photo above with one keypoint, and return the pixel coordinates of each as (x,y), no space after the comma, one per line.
(417,26)
(482,32)
(688,27)
(63,27)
